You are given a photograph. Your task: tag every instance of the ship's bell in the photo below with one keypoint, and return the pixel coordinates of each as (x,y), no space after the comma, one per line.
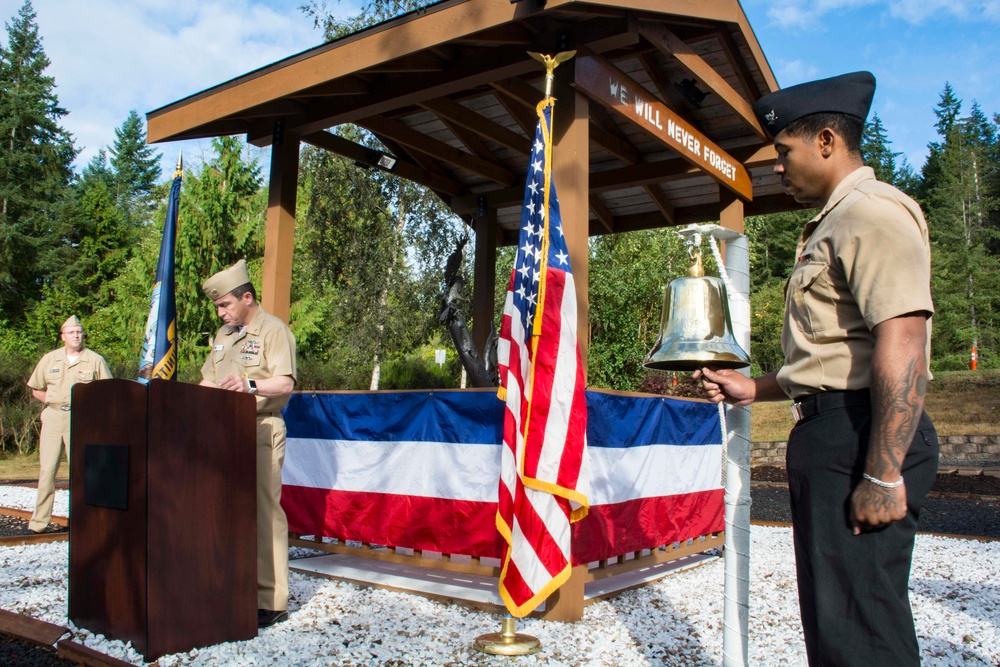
(695,328)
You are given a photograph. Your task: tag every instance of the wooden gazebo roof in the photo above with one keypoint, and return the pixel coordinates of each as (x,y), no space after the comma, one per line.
(450,92)
(653,123)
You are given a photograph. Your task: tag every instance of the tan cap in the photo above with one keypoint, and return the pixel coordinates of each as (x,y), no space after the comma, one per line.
(225,281)
(71,321)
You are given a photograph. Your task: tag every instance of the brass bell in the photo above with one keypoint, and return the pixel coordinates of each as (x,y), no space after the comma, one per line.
(695,328)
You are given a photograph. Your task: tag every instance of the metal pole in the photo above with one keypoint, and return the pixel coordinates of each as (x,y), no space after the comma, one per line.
(737,499)
(736,443)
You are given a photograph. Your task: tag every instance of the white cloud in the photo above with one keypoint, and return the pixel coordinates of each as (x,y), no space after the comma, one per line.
(810,14)
(919,11)
(791,72)
(801,14)
(109,57)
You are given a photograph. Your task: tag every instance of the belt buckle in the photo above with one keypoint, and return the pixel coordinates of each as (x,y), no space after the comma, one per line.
(64,408)
(797,412)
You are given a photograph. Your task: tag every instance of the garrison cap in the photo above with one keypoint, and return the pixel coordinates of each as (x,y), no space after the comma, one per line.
(71,321)
(225,281)
(849,94)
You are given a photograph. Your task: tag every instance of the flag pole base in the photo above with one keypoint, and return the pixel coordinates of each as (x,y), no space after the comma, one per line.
(507,642)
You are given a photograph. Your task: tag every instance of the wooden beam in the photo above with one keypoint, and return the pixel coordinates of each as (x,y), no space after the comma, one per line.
(641,175)
(348,85)
(279,234)
(455,112)
(413,90)
(608,85)
(468,204)
(409,154)
(437,149)
(739,65)
(731,212)
(520,90)
(368,156)
(526,118)
(472,141)
(687,215)
(511,33)
(672,45)
(602,213)
(416,89)
(671,96)
(411,33)
(415,62)
(614,144)
(659,198)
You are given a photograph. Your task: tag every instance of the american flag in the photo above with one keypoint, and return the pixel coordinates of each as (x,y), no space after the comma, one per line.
(544,471)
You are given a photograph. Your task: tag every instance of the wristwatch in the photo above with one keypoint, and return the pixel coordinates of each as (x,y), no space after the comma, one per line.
(252,384)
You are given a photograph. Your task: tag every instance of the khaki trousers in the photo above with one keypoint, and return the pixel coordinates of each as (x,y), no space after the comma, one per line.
(54,437)
(272,526)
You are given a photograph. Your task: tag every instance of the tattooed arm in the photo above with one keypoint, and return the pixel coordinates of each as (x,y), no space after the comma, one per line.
(899,384)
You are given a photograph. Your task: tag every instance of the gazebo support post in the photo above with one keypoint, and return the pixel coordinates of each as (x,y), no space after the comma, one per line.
(279,234)
(737,465)
(571,174)
(485,276)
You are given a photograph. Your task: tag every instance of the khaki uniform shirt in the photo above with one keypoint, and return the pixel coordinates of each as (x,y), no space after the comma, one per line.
(265,349)
(55,375)
(863,260)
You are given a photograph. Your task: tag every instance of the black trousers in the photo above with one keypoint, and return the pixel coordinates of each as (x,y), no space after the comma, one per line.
(853,590)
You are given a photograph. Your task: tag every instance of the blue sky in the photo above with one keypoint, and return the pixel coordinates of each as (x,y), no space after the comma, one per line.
(110,56)
(911,46)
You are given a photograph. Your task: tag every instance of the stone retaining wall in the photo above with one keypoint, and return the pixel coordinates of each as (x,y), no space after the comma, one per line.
(955,450)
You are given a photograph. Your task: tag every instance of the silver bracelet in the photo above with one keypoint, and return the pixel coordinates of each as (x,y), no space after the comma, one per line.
(884,485)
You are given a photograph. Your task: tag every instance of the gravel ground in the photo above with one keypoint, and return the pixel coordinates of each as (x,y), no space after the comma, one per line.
(675,621)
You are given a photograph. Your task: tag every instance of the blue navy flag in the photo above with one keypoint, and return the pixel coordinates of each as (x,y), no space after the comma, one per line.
(159,347)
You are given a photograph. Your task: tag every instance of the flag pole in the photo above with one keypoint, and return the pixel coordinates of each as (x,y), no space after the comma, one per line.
(507,641)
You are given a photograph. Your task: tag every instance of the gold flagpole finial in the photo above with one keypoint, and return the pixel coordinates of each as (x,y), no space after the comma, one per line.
(180,161)
(551,63)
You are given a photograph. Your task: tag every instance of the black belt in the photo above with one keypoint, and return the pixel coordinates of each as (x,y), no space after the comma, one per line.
(813,404)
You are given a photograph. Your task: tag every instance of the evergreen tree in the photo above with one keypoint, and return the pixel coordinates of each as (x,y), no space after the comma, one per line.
(773,240)
(98,170)
(221,220)
(876,153)
(136,168)
(960,202)
(36,156)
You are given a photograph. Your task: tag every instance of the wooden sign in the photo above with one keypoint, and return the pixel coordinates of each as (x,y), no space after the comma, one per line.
(608,85)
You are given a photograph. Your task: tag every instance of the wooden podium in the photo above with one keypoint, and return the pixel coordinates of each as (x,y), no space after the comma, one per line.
(162,544)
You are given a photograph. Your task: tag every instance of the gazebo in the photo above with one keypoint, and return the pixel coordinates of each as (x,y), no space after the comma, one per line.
(654,124)
(653,127)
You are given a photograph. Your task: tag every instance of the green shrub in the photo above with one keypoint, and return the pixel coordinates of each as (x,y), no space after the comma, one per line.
(417,372)
(19,426)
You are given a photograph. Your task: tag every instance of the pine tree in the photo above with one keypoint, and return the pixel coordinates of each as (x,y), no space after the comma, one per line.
(960,202)
(136,169)
(98,170)
(221,220)
(876,153)
(36,156)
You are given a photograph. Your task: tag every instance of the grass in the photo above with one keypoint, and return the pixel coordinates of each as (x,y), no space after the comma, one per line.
(22,467)
(959,402)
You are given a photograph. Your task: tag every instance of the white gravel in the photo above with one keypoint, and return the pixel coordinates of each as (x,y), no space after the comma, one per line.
(676,621)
